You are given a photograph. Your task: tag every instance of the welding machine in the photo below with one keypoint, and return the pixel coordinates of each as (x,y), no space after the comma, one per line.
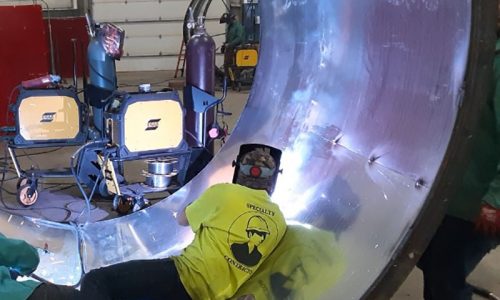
(140,124)
(145,126)
(241,63)
(46,115)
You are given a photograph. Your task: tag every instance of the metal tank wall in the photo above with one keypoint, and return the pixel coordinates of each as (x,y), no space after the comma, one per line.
(363,98)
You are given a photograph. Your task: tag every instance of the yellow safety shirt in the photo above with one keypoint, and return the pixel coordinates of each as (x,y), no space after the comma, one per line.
(305,265)
(236,228)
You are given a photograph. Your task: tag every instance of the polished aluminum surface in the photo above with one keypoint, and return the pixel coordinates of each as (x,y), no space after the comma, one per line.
(362,98)
(57,245)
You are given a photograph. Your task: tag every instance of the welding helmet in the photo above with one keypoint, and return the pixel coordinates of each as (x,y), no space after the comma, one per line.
(227,18)
(257,167)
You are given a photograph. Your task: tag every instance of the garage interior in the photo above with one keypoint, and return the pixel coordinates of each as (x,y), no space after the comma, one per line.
(335,110)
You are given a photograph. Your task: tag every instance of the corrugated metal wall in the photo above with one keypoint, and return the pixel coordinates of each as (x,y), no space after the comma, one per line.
(153,30)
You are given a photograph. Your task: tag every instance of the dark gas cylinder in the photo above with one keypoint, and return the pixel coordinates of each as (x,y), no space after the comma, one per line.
(102,78)
(200,73)
(200,60)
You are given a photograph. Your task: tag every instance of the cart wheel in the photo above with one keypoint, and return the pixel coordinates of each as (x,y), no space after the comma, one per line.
(102,189)
(116,200)
(26,196)
(123,205)
(22,181)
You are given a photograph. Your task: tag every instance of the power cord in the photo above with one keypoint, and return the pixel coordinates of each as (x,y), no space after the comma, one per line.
(9,209)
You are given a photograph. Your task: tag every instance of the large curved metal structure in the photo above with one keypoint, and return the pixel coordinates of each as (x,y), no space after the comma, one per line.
(367,101)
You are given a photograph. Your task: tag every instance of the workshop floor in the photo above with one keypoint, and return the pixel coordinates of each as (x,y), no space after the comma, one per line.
(66,201)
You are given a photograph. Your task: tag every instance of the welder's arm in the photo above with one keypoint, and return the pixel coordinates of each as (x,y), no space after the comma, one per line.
(195,213)
(182,218)
(18,255)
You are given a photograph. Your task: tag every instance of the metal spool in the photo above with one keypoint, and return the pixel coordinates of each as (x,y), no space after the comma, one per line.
(161,166)
(157,180)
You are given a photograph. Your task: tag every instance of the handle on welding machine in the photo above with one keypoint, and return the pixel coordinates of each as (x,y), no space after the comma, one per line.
(203,101)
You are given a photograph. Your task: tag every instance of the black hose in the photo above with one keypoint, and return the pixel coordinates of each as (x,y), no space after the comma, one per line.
(185,30)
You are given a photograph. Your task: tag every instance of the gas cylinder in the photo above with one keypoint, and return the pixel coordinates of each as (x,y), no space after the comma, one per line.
(101,67)
(200,59)
(102,76)
(200,73)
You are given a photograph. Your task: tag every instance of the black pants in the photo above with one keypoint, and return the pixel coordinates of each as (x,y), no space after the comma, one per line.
(134,280)
(53,292)
(453,253)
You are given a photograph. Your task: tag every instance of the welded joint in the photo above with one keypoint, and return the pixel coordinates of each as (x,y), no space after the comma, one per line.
(373,159)
(337,139)
(420,183)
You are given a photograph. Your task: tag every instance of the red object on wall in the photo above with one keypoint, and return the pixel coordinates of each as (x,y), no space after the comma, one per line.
(24,53)
(63,31)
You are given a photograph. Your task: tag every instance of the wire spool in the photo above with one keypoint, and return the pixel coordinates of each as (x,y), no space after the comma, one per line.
(161,166)
(160,172)
(158,180)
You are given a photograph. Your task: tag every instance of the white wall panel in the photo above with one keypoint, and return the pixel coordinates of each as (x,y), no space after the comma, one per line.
(120,11)
(153,30)
(166,29)
(130,64)
(144,45)
(140,46)
(139,11)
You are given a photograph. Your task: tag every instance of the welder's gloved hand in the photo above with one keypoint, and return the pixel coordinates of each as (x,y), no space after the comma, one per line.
(488,221)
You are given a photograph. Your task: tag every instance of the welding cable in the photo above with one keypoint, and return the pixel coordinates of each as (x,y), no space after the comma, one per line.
(39,153)
(186,32)
(78,183)
(28,155)
(207,6)
(8,209)
(10,102)
(93,207)
(480,291)
(191,135)
(195,138)
(2,180)
(58,187)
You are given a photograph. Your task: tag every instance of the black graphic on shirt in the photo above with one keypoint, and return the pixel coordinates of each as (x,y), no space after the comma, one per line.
(278,285)
(248,253)
(294,269)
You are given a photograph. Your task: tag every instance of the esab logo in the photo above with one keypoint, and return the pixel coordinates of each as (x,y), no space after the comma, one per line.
(153,124)
(48,117)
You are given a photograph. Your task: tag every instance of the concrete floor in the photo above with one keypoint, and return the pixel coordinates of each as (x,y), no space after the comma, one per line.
(486,275)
